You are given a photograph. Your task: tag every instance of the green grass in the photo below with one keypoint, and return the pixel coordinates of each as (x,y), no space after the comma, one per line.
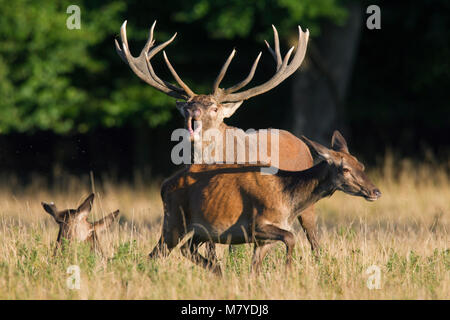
(404,234)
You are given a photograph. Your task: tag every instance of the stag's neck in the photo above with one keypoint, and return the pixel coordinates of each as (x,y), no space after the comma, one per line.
(306,187)
(205,150)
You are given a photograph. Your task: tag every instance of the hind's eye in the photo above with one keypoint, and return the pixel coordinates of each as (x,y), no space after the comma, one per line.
(215,109)
(345,170)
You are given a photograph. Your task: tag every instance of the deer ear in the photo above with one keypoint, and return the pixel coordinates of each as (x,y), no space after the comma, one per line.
(50,208)
(180,107)
(338,142)
(84,209)
(102,224)
(317,148)
(230,108)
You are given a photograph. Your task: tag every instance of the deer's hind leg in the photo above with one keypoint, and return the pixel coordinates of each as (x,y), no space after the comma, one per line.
(259,252)
(210,248)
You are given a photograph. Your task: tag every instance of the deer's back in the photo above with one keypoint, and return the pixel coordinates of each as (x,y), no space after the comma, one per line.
(223,197)
(294,154)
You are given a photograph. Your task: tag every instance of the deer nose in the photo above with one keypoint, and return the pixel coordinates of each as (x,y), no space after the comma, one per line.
(377,192)
(187,113)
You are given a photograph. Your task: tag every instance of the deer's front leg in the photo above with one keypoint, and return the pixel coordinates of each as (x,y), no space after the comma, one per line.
(190,251)
(307,220)
(271,232)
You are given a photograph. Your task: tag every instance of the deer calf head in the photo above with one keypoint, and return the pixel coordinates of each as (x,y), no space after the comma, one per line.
(346,172)
(73,224)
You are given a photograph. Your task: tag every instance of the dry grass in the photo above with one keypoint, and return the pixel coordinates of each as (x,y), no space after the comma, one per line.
(405,234)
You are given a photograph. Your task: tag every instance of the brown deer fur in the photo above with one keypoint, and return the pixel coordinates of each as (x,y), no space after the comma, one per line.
(210,110)
(73,224)
(237,204)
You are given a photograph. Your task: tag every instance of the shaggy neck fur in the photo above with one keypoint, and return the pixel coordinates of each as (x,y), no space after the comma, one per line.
(306,187)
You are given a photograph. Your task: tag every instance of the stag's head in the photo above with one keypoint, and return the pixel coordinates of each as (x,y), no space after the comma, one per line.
(73,224)
(208,111)
(346,172)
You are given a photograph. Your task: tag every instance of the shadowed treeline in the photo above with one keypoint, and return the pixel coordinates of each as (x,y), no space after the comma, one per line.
(70,105)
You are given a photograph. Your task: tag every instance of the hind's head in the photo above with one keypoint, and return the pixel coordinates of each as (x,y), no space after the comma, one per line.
(346,172)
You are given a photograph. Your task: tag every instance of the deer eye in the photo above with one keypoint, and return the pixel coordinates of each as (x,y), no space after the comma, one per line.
(346,170)
(215,109)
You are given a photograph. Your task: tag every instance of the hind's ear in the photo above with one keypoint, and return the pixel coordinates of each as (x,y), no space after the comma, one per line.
(338,142)
(317,149)
(85,208)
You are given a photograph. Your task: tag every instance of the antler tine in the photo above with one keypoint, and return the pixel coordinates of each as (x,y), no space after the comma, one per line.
(271,51)
(249,78)
(284,69)
(150,41)
(120,52)
(301,49)
(177,78)
(160,81)
(223,71)
(277,45)
(142,67)
(151,53)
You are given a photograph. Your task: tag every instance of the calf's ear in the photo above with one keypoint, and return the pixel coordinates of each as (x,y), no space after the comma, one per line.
(105,222)
(50,208)
(85,208)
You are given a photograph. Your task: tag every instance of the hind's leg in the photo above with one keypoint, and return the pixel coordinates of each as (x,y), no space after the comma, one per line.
(171,235)
(190,251)
(271,232)
(162,249)
(211,253)
(259,252)
(308,221)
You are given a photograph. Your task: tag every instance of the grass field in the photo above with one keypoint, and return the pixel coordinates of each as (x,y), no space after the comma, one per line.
(404,234)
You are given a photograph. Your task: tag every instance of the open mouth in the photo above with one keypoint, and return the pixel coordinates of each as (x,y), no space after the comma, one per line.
(194,127)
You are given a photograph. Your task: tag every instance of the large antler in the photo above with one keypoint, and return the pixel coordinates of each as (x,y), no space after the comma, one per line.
(283,70)
(142,67)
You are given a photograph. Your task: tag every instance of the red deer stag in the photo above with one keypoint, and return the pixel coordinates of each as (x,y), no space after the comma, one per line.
(73,224)
(209,111)
(237,204)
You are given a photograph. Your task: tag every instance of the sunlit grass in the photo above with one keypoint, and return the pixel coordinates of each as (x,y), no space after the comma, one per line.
(405,234)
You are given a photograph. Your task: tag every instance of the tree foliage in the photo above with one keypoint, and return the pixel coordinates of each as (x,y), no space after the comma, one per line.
(53,78)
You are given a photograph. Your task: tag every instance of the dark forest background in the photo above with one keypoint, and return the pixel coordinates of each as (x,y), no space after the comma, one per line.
(69,104)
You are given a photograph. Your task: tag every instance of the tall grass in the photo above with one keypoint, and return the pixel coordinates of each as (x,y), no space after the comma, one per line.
(405,234)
